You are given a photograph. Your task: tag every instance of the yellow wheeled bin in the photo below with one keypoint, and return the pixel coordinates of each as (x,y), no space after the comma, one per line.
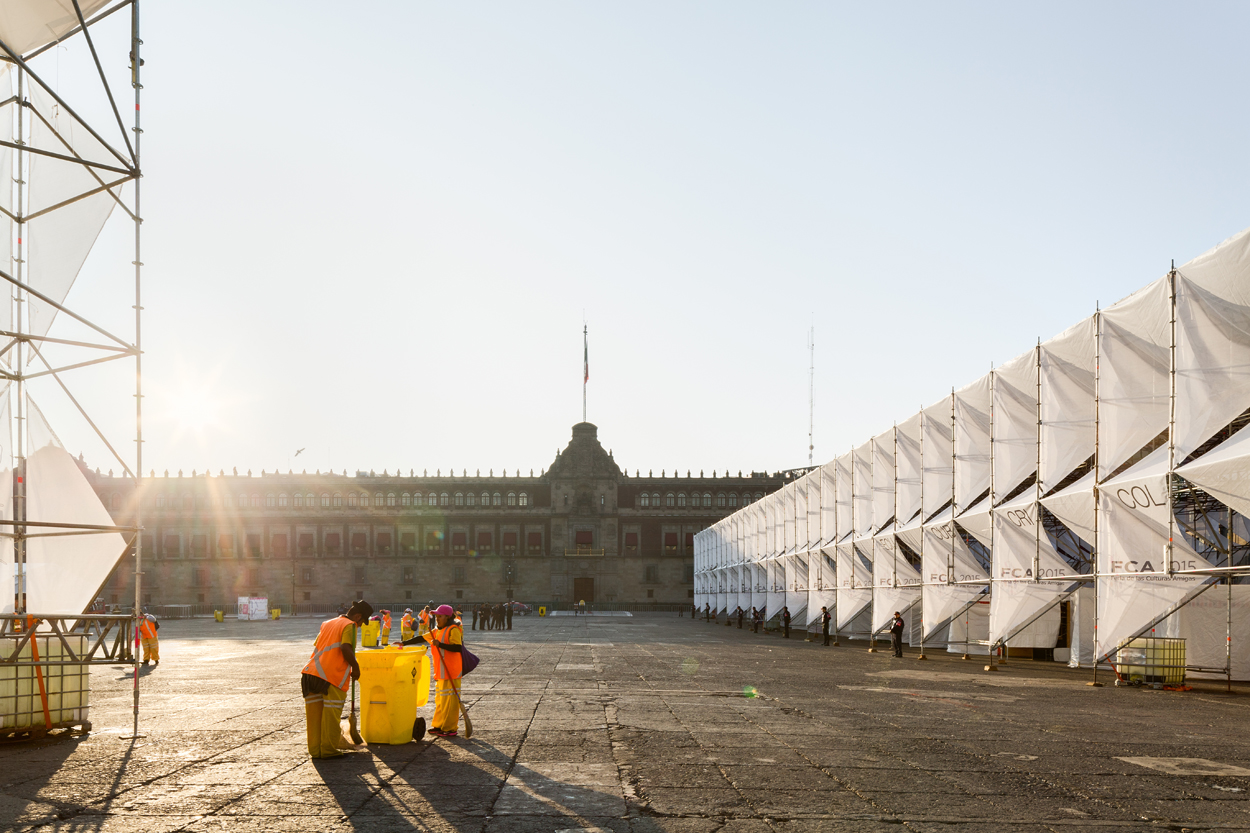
(394,683)
(369,634)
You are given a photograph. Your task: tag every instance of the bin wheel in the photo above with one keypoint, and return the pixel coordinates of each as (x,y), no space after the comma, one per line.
(418,729)
(86,725)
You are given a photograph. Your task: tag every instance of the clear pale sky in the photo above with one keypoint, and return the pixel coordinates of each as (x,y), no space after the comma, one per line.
(372,230)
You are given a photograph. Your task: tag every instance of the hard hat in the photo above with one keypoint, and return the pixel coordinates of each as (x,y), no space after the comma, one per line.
(407,610)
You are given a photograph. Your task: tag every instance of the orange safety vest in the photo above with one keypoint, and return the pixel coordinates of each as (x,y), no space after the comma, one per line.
(407,622)
(327,661)
(386,622)
(440,659)
(147,629)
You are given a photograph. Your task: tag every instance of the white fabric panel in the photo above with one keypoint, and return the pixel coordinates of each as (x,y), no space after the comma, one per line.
(909,468)
(1133,380)
(26,25)
(1015,422)
(6,197)
(1066,367)
(7,583)
(828,508)
(775,598)
(979,522)
(1017,544)
(1224,472)
(882,479)
(861,489)
(936,447)
(854,592)
(813,509)
(845,505)
(896,582)
(886,600)
(1015,602)
(910,534)
(796,590)
(1223,269)
(787,517)
(942,602)
(971,630)
(65,573)
(1082,633)
(1203,623)
(800,515)
(816,599)
(1132,553)
(1075,507)
(972,441)
(1212,364)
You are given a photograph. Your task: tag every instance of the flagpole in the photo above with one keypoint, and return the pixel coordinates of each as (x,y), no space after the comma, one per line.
(585,367)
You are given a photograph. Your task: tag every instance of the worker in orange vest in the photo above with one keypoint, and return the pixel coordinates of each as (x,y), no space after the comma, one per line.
(326,677)
(148,626)
(446,640)
(407,624)
(386,627)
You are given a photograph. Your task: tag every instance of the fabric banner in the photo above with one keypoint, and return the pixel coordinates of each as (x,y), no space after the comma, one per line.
(828,508)
(909,468)
(854,592)
(861,489)
(1075,507)
(883,480)
(896,583)
(1066,412)
(972,442)
(63,573)
(1133,375)
(1015,423)
(800,514)
(1212,364)
(937,481)
(845,505)
(1133,555)
(1224,472)
(813,509)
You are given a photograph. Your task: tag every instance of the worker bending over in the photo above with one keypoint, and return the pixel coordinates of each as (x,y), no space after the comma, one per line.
(406,629)
(446,639)
(326,677)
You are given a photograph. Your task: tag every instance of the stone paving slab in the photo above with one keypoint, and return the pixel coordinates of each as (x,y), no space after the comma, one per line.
(649,724)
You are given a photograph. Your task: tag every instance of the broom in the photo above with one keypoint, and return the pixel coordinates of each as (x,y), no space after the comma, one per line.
(353,732)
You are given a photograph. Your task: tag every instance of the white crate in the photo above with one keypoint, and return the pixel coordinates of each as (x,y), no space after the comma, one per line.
(68,687)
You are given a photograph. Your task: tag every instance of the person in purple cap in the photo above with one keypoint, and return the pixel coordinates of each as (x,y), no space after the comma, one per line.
(446,640)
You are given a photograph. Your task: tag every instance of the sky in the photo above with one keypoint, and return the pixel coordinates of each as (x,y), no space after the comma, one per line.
(375,233)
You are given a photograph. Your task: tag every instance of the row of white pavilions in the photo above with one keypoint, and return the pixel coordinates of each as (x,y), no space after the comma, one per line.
(1103,474)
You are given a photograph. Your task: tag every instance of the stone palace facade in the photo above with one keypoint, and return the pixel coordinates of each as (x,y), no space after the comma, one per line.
(581,529)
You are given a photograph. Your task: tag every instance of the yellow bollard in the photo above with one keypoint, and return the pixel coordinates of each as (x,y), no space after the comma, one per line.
(219,615)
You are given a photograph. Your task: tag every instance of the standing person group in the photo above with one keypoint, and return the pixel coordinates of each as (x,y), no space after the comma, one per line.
(492,617)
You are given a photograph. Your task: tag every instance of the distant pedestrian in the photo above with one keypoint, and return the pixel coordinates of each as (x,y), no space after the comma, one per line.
(896,634)
(740,612)
(824,622)
(475,612)
(707,612)
(785,620)
(757,619)
(508,615)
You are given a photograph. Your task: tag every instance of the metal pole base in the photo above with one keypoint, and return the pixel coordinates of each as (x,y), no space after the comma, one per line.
(133,737)
(991,667)
(872,650)
(1094,685)
(966,656)
(922,656)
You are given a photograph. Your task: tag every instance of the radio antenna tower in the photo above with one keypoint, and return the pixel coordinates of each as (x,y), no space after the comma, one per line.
(811,391)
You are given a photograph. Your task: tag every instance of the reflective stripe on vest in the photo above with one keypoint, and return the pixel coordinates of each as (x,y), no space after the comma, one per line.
(327,661)
(147,629)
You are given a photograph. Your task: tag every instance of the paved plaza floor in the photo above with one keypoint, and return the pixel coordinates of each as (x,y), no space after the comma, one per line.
(641,725)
